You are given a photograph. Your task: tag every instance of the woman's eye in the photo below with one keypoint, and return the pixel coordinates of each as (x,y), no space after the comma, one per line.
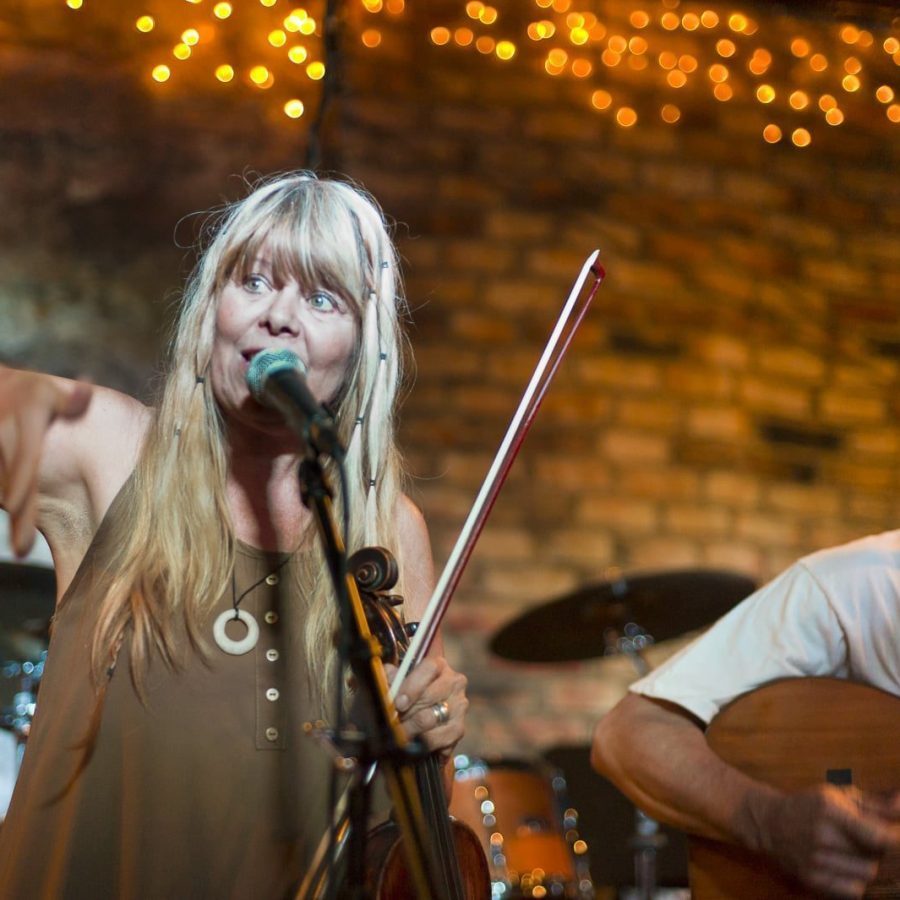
(255,284)
(322,300)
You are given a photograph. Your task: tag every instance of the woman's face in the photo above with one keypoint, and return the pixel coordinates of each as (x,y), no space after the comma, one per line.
(260,312)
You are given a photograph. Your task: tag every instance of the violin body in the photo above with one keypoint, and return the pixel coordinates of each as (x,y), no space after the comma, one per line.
(388,876)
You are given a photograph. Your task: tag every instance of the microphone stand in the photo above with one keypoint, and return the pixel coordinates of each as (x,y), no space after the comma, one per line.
(385,743)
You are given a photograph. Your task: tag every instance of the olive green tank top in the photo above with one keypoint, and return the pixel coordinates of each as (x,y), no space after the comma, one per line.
(208,789)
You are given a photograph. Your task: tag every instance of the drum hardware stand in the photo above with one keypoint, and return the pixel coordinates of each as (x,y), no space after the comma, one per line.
(646,839)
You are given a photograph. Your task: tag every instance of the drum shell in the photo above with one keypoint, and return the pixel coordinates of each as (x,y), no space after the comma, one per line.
(519,810)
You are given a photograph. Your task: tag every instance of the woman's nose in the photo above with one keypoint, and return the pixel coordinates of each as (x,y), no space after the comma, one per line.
(282,315)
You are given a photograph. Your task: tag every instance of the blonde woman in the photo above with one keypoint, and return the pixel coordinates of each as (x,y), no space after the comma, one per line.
(167,757)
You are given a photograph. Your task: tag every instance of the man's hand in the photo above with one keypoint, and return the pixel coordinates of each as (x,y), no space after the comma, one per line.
(831,838)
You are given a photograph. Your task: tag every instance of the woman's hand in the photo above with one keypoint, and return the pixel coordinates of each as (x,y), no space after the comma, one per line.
(29,402)
(432,704)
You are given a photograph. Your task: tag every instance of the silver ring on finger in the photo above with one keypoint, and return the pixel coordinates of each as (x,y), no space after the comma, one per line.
(441,712)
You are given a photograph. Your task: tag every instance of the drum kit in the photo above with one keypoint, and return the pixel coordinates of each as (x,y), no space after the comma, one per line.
(536,843)
(27,599)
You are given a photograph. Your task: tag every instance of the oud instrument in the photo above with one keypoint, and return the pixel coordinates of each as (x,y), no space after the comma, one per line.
(797,733)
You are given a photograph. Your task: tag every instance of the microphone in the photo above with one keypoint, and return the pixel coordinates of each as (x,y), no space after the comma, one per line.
(277,379)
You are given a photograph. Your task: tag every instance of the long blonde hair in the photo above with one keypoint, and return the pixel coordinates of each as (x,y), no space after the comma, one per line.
(179,552)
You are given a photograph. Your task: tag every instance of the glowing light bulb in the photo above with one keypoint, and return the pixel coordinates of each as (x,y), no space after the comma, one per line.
(884,94)
(725,48)
(77,4)
(463,36)
(799,100)
(277,38)
(181,51)
(297,54)
(765,93)
(718,73)
(639,19)
(638,46)
(670,113)
(723,92)
(801,137)
(690,22)
(800,47)
(315,71)
(626,116)
(440,36)
(893,112)
(191,37)
(709,18)
(222,10)
(161,73)
(581,68)
(145,24)
(772,134)
(259,75)
(687,63)
(474,9)
(669,21)
(485,44)
(293,109)
(737,22)
(610,58)
(818,63)
(852,66)
(579,36)
(834,116)
(225,73)
(488,15)
(850,83)
(667,60)
(676,78)
(371,38)
(601,99)
(826,102)
(505,50)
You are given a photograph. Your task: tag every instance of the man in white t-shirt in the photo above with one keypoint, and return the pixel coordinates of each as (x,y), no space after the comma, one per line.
(836,612)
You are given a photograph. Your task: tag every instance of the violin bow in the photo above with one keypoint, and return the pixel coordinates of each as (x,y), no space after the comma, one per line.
(570,317)
(573,311)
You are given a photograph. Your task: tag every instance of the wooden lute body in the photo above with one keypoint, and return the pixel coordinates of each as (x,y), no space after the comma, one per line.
(793,734)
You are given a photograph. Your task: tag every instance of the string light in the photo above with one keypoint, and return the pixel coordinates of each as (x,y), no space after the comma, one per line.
(294,108)
(656,45)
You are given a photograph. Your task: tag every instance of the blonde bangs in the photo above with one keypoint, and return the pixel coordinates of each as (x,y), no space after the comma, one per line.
(308,238)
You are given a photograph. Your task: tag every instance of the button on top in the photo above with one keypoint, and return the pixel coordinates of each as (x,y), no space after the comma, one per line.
(272,655)
(271,617)
(272,694)
(272,579)
(271,734)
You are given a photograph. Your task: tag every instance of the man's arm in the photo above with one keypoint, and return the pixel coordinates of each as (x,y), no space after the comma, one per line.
(657,754)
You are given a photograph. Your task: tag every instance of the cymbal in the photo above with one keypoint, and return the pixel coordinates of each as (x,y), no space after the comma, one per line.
(664,605)
(27,601)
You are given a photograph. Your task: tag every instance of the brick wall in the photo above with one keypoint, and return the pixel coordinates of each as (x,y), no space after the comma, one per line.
(729,402)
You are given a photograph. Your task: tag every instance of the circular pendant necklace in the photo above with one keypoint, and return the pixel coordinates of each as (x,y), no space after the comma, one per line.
(236,614)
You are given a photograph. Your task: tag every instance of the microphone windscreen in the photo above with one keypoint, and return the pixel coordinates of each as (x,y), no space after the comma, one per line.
(267,363)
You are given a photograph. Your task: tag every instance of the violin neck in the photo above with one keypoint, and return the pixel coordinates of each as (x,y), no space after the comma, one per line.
(437,817)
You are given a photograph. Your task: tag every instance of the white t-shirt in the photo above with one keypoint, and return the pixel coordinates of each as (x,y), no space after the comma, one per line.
(835,612)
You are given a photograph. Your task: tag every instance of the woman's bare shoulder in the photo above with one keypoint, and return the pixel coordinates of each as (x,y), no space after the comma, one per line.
(85,462)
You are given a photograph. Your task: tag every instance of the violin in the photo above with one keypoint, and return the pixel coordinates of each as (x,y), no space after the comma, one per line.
(415,642)
(457,849)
